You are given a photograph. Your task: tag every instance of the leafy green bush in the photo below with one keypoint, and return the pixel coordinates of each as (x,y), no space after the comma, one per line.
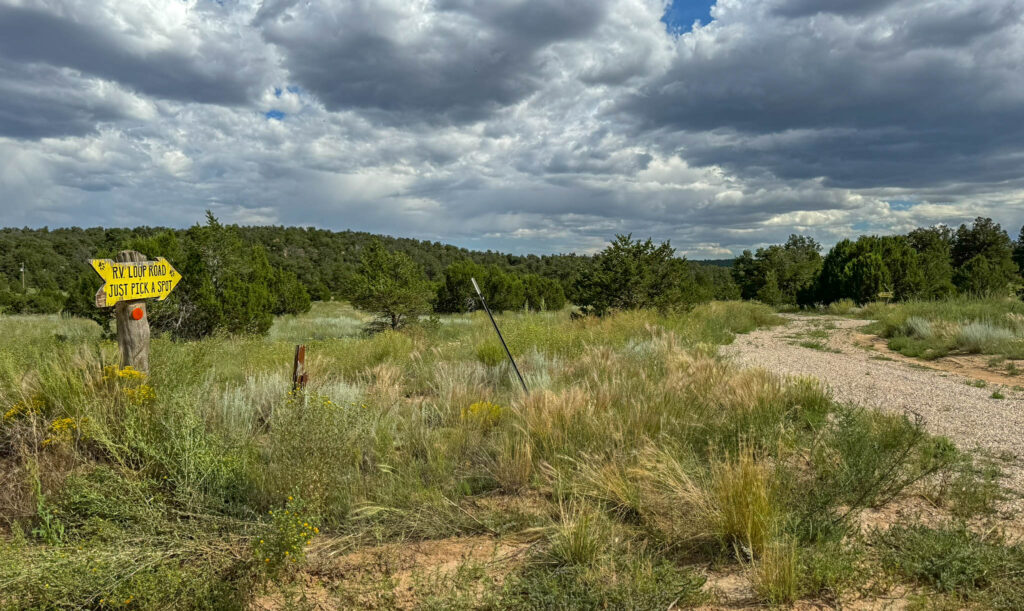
(628,584)
(957,561)
(490,353)
(282,543)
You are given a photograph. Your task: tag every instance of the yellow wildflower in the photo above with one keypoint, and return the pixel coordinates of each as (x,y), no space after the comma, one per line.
(484,413)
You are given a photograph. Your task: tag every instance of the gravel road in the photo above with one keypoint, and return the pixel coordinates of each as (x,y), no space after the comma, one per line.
(950,406)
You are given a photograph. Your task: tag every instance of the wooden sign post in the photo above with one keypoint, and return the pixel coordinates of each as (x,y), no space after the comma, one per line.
(130,280)
(299,375)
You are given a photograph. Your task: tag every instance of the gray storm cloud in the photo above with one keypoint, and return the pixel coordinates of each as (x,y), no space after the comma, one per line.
(518,125)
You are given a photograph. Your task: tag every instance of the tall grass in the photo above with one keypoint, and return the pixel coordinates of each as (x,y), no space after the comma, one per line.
(646,451)
(932,329)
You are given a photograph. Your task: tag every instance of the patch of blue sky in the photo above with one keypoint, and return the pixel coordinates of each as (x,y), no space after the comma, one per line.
(290,89)
(275,114)
(680,15)
(901,204)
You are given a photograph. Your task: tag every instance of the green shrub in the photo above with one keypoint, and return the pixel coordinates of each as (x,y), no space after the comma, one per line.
(630,583)
(865,459)
(490,353)
(958,562)
(282,543)
(842,307)
(830,570)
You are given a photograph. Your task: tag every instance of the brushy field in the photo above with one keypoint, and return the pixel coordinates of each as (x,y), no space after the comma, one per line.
(639,462)
(933,329)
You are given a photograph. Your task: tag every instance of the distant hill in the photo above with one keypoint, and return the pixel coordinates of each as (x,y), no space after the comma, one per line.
(716,262)
(323,260)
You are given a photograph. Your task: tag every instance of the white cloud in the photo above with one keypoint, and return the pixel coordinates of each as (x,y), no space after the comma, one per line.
(520,125)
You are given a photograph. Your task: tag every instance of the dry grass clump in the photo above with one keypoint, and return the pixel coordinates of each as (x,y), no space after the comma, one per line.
(578,539)
(555,420)
(512,468)
(731,502)
(775,574)
(384,383)
(746,512)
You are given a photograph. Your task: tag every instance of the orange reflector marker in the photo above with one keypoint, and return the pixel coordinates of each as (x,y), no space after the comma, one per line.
(137,314)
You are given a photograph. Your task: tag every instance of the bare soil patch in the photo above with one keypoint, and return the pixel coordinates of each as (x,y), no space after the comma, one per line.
(394,575)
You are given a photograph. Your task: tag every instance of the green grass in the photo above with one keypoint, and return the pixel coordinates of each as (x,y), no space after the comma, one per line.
(819,346)
(955,562)
(933,329)
(638,457)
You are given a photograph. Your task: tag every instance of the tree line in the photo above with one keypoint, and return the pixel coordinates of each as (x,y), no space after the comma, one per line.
(977,259)
(628,274)
(236,279)
(323,261)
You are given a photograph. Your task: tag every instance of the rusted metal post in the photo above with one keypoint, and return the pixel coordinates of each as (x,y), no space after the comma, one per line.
(299,375)
(132,322)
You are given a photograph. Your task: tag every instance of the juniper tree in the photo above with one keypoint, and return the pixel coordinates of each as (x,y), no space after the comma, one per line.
(390,285)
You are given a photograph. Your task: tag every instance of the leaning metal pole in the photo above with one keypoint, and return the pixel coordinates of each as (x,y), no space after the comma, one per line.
(498,331)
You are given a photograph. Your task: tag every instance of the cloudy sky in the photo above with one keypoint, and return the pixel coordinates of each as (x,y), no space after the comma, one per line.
(516,125)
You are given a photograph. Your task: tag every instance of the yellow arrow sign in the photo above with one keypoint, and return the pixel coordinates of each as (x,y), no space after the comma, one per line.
(128,281)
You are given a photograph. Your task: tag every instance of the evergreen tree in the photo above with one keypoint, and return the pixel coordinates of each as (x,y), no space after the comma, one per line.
(794,266)
(866,276)
(987,240)
(390,285)
(543,293)
(980,277)
(1018,250)
(290,295)
(455,294)
(748,275)
(630,274)
(225,285)
(503,291)
(933,246)
(81,300)
(903,266)
(770,293)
